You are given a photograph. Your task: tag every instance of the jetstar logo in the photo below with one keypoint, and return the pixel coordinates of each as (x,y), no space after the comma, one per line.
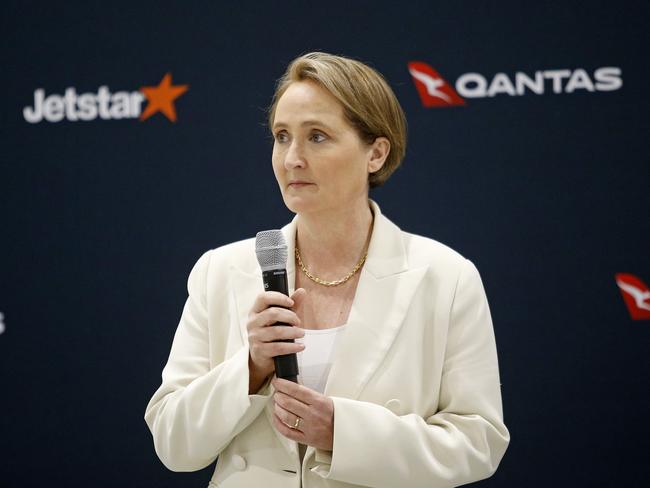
(436,92)
(105,105)
(635,294)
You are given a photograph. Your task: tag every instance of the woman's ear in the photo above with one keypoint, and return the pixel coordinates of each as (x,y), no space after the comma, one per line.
(379,151)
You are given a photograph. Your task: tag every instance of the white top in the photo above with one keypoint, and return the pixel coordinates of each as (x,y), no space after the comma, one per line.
(315,360)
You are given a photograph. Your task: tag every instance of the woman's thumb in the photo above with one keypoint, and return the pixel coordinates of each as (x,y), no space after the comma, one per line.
(298,296)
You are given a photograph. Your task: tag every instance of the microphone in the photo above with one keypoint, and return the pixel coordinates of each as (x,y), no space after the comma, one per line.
(271,251)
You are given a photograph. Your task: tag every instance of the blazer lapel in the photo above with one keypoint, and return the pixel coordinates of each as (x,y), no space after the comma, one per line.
(384,292)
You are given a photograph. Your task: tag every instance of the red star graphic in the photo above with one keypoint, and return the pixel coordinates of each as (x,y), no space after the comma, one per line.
(161,98)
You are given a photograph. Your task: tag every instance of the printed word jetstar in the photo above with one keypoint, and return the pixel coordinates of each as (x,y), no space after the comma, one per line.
(85,106)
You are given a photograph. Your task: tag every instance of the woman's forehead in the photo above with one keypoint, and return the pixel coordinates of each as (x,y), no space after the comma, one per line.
(304,102)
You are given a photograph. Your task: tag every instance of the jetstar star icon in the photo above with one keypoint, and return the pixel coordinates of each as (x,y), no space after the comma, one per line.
(161,98)
(636,295)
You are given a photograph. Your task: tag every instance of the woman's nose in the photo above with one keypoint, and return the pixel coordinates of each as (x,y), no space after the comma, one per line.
(294,157)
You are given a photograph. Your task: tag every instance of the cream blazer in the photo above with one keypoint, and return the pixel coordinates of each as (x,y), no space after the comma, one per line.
(415,381)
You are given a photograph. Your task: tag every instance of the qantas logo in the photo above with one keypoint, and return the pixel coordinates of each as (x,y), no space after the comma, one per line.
(635,294)
(433,89)
(104,104)
(436,92)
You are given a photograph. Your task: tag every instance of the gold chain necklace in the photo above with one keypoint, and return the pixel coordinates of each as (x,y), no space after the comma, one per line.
(315,279)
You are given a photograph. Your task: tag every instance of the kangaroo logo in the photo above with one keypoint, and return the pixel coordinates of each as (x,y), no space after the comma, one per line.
(433,89)
(636,296)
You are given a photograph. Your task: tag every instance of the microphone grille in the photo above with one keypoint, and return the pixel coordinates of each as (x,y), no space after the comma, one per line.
(271,249)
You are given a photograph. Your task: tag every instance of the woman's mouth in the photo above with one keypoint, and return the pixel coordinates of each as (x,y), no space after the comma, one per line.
(299,184)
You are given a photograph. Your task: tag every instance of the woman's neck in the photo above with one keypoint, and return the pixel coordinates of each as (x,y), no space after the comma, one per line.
(333,241)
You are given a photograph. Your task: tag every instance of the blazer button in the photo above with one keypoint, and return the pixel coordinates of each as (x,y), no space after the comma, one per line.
(394,406)
(239,462)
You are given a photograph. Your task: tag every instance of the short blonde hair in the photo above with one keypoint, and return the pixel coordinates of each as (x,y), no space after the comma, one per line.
(368,102)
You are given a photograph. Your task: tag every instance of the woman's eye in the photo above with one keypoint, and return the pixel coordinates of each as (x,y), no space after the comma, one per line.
(317,137)
(281,137)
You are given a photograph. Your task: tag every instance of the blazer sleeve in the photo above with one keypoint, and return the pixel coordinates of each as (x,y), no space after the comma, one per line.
(198,410)
(462,442)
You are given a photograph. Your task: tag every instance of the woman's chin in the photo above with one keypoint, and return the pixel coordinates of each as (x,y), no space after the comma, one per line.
(300,204)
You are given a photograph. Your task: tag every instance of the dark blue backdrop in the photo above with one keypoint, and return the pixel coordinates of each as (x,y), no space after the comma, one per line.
(101,221)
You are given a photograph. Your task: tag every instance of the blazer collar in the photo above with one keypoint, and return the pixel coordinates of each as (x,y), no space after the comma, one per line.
(386,252)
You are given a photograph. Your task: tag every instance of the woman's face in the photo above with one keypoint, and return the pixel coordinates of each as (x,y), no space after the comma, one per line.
(320,162)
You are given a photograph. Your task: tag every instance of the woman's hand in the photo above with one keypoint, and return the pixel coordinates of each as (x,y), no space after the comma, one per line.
(315,411)
(271,307)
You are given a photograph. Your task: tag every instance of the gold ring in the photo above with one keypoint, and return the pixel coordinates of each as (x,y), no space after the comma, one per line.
(297,424)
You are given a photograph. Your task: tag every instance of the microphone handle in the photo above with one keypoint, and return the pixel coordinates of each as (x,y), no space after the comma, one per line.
(286,366)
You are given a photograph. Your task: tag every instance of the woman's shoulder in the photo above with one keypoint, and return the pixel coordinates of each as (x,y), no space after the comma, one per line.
(425,251)
(240,254)
(418,251)
(443,264)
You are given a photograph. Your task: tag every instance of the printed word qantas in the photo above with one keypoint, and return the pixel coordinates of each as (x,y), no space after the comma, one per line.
(437,92)
(105,105)
(85,106)
(475,85)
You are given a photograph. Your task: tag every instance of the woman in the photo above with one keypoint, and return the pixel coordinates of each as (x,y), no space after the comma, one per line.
(393,329)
